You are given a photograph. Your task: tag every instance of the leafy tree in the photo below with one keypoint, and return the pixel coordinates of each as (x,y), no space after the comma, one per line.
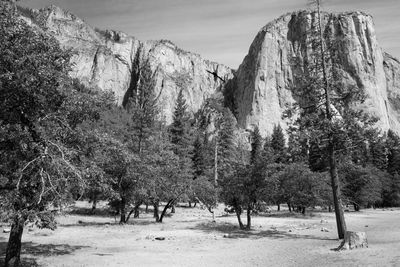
(362,186)
(167,180)
(41,165)
(300,187)
(206,192)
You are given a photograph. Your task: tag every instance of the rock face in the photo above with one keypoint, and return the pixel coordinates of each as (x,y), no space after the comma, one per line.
(266,77)
(109,60)
(392,70)
(262,87)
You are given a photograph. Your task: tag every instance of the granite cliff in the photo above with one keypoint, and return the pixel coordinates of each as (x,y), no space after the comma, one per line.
(259,91)
(110,60)
(265,79)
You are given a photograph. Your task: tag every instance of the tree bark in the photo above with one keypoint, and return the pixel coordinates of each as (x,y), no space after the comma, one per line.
(303,210)
(122,208)
(340,222)
(216,162)
(248,226)
(165,209)
(94,203)
(356,207)
(172,208)
(279,206)
(136,209)
(290,207)
(156,216)
(13,251)
(337,201)
(238,213)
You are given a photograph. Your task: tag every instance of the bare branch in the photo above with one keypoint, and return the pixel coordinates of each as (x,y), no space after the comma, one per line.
(43,186)
(24,168)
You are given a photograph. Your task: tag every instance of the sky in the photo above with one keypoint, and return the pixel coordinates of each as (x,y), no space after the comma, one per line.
(219,30)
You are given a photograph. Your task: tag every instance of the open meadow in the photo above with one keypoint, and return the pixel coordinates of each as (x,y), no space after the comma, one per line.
(192,239)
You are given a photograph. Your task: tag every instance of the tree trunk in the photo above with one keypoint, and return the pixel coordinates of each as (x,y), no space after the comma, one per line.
(354,240)
(156,216)
(94,203)
(238,213)
(190,204)
(303,210)
(329,208)
(129,215)
(172,208)
(341,224)
(356,207)
(212,212)
(248,226)
(13,252)
(216,162)
(337,201)
(195,203)
(136,209)
(279,206)
(122,208)
(147,208)
(290,207)
(165,210)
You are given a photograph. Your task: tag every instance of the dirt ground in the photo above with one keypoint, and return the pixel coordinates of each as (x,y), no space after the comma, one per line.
(191,239)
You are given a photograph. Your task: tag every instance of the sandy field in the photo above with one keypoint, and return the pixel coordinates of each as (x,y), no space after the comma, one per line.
(192,239)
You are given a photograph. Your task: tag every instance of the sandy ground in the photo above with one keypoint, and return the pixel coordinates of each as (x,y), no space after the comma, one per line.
(191,239)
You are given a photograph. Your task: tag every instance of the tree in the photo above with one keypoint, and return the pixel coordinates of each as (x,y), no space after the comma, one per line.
(199,157)
(278,143)
(253,183)
(327,114)
(393,146)
(299,186)
(256,146)
(179,130)
(142,107)
(40,164)
(181,139)
(362,186)
(166,179)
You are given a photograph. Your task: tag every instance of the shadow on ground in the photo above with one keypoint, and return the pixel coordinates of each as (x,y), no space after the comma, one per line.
(232,231)
(107,224)
(32,250)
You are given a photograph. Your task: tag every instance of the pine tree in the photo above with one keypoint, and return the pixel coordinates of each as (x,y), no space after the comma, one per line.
(226,143)
(199,157)
(393,146)
(278,144)
(143,108)
(256,146)
(378,153)
(179,130)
